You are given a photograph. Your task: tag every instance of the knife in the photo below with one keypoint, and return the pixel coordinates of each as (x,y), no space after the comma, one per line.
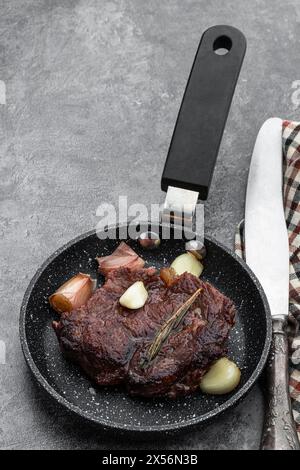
(267,254)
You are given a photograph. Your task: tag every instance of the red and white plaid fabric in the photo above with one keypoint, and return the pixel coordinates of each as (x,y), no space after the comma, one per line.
(291,194)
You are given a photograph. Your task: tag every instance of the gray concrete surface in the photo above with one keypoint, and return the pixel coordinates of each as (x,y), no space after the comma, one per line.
(92,93)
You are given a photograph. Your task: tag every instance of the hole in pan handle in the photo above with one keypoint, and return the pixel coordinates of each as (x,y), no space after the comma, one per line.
(204,109)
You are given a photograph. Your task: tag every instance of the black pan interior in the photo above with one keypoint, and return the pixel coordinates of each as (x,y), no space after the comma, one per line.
(111,407)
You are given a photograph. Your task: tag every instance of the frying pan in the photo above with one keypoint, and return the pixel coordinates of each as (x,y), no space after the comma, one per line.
(189,166)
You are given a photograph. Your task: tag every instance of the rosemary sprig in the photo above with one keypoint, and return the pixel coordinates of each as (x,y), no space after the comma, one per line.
(172,323)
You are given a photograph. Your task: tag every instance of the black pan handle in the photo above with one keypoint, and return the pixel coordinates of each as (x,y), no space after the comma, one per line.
(204,109)
(279,429)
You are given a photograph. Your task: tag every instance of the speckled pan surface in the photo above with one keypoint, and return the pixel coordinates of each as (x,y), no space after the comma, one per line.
(112,408)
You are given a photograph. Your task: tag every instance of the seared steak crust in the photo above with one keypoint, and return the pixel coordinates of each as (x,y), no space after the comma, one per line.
(110,342)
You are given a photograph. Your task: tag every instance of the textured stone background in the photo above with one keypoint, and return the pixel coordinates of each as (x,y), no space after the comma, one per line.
(92,93)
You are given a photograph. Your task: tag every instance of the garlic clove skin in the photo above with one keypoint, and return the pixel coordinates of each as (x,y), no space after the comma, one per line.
(223,377)
(187,263)
(149,240)
(196,248)
(73,293)
(135,296)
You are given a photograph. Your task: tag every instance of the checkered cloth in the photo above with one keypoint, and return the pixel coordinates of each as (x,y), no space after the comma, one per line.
(291,194)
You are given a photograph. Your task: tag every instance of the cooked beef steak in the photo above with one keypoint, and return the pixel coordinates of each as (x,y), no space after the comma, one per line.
(110,342)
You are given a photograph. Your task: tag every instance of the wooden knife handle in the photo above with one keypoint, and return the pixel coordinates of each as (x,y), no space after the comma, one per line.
(279,428)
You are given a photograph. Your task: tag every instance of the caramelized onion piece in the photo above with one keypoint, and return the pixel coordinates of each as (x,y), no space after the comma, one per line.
(123,256)
(73,293)
(167,275)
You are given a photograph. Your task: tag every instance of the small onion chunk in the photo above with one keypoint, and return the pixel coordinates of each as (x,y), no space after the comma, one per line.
(168,276)
(73,293)
(223,377)
(135,296)
(187,263)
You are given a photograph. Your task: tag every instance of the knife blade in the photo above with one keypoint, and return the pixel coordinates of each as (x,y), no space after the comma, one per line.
(267,254)
(266,238)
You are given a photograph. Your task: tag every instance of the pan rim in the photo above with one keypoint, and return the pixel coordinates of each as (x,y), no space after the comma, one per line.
(233,400)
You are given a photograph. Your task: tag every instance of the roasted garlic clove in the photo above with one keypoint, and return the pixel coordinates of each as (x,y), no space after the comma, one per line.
(187,263)
(135,296)
(223,377)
